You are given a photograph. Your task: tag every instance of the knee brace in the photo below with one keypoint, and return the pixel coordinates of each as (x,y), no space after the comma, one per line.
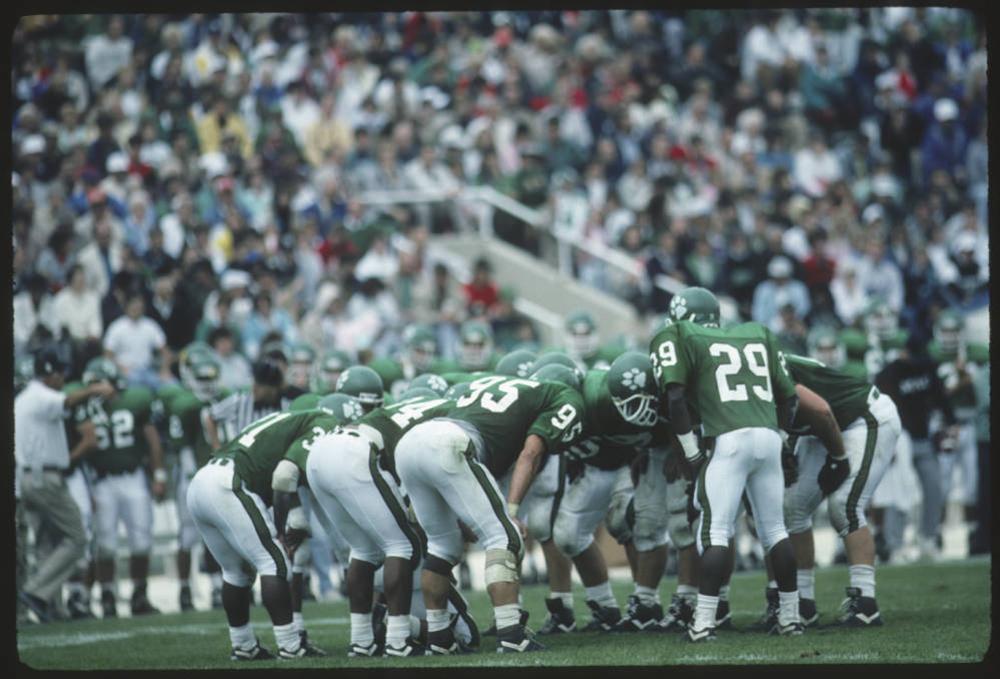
(436,564)
(621,517)
(501,566)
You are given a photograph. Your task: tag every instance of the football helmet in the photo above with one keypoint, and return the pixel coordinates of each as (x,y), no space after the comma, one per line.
(419,392)
(556,358)
(328,370)
(554,372)
(475,345)
(880,320)
(582,339)
(457,391)
(364,384)
(301,358)
(188,356)
(633,389)
(346,407)
(435,383)
(949,331)
(421,345)
(206,374)
(825,346)
(516,363)
(697,305)
(103,369)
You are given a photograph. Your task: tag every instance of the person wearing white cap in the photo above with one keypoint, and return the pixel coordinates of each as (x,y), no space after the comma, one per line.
(777,291)
(944,143)
(878,276)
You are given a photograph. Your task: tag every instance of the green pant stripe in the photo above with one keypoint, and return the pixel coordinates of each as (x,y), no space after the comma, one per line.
(513,536)
(398,513)
(706,509)
(853,520)
(260,526)
(560,490)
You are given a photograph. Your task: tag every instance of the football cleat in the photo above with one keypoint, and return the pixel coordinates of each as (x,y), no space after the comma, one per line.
(288,654)
(372,650)
(515,639)
(186,601)
(78,607)
(860,611)
(723,616)
(38,606)
(258,652)
(639,616)
(492,630)
(792,629)
(679,615)
(312,650)
(770,617)
(443,642)
(109,607)
(700,635)
(409,649)
(807,612)
(560,619)
(605,617)
(141,606)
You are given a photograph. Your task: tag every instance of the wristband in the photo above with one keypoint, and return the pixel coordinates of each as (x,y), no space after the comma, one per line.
(159,475)
(297,519)
(689,444)
(512,508)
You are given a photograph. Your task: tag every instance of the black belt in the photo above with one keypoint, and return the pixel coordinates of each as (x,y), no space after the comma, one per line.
(65,471)
(101,474)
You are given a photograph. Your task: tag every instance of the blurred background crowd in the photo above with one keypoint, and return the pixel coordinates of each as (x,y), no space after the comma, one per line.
(182,177)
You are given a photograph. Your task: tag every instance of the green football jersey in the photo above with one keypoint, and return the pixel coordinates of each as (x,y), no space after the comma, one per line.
(385,426)
(872,352)
(458,377)
(73,419)
(259,447)
(856,369)
(731,375)
(307,401)
(975,352)
(964,399)
(186,415)
(507,410)
(848,396)
(395,374)
(610,442)
(119,423)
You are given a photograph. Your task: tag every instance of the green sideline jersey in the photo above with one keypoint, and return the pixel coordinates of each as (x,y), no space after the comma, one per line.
(506,410)
(731,375)
(873,353)
(385,426)
(964,398)
(610,442)
(186,415)
(72,419)
(259,447)
(307,401)
(396,375)
(119,423)
(849,397)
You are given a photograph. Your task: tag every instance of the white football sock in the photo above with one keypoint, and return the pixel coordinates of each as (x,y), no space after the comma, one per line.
(704,614)
(297,621)
(647,595)
(507,615)
(566,597)
(397,630)
(361,629)
(243,638)
(602,595)
(788,607)
(863,577)
(287,637)
(806,578)
(437,620)
(772,584)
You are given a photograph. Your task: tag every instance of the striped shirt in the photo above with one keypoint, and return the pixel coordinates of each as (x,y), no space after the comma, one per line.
(237,411)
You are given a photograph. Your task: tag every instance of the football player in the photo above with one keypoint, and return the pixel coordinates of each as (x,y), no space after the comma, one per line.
(583,343)
(517,363)
(449,467)
(301,358)
(364,384)
(420,355)
(877,343)
(327,370)
(475,347)
(126,441)
(732,380)
(230,500)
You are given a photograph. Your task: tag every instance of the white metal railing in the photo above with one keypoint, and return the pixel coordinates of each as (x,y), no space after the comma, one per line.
(488,197)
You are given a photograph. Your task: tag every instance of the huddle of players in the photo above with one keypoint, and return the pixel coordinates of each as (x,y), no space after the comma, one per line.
(569,450)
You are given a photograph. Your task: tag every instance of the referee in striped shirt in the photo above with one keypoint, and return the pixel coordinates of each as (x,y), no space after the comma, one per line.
(230,415)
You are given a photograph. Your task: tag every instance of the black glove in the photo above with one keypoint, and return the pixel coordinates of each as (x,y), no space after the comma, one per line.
(833,474)
(673,467)
(692,511)
(789,466)
(638,467)
(574,469)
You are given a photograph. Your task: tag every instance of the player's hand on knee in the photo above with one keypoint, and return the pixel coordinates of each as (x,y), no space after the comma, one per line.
(574,470)
(522,528)
(692,511)
(292,539)
(833,474)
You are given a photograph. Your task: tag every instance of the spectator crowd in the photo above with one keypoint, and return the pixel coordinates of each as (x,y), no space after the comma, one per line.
(182,177)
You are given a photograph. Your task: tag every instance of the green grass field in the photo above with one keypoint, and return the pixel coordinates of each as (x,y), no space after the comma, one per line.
(933,613)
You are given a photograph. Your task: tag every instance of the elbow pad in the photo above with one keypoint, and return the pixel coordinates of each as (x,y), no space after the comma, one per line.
(286,477)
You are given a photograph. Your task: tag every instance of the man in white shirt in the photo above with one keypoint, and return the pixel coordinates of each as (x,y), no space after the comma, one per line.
(43,457)
(108,54)
(132,342)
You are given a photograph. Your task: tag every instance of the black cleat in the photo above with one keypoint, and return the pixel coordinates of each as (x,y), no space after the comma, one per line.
(288,654)
(860,611)
(679,615)
(792,629)
(372,650)
(443,642)
(78,607)
(109,607)
(186,601)
(258,652)
(409,649)
(700,635)
(808,614)
(605,617)
(515,639)
(770,617)
(723,616)
(639,616)
(38,606)
(312,650)
(560,619)
(141,606)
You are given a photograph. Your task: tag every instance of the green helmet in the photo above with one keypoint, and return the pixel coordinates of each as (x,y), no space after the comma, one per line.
(435,383)
(206,375)
(825,346)
(475,345)
(301,358)
(102,369)
(949,331)
(556,358)
(346,407)
(419,392)
(880,320)
(633,389)
(457,391)
(188,356)
(328,370)
(554,372)
(516,363)
(421,345)
(697,305)
(581,335)
(364,384)
(24,372)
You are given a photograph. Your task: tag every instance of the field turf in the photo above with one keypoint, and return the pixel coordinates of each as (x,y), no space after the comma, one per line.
(933,613)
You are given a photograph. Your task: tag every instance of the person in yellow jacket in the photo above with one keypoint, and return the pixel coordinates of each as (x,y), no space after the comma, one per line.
(217,123)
